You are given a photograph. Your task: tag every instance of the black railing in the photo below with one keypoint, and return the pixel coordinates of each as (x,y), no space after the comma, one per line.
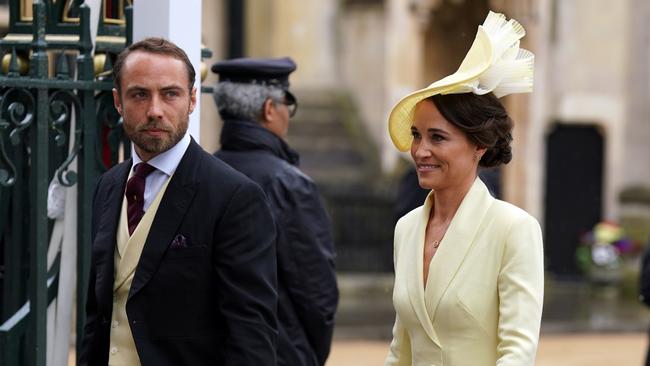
(41,113)
(363,219)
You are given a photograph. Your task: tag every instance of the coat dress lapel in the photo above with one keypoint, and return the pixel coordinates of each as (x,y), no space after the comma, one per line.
(449,257)
(456,243)
(173,207)
(416,283)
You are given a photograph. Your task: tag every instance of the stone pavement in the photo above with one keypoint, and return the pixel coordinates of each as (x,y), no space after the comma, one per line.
(609,349)
(624,349)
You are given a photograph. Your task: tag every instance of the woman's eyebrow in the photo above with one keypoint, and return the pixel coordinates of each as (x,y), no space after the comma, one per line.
(438,130)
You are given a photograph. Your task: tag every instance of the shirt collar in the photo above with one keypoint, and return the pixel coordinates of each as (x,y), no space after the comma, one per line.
(168,161)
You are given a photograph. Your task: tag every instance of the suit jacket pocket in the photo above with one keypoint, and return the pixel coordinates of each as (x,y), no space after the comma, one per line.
(189,252)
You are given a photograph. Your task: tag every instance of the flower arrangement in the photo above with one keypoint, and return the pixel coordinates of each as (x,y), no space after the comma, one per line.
(603,251)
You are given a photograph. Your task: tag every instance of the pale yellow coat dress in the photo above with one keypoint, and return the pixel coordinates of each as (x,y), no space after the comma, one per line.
(483,300)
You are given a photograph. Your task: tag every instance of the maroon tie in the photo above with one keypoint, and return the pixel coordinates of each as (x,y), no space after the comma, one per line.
(135,194)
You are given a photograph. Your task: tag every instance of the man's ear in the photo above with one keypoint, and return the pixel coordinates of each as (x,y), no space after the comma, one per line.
(192,100)
(117,101)
(268,111)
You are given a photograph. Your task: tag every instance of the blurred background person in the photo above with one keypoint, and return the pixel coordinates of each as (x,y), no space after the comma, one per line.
(255,103)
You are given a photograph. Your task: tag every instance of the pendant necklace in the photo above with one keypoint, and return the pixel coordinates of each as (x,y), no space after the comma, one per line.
(436,243)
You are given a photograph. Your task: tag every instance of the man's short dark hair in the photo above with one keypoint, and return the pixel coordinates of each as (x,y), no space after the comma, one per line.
(158,46)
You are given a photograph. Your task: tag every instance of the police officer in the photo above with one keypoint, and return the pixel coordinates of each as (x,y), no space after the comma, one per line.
(255,103)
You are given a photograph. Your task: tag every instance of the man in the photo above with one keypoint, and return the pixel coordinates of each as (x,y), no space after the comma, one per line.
(253,99)
(183,261)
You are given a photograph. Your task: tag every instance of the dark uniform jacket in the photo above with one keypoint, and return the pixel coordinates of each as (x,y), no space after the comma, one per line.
(306,277)
(211,301)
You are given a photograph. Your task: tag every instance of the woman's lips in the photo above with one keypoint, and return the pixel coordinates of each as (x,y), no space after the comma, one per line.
(424,168)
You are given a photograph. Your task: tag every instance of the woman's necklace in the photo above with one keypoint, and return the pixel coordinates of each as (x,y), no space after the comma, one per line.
(436,243)
(438,232)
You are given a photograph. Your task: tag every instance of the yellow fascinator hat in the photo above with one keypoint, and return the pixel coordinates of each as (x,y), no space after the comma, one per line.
(494,63)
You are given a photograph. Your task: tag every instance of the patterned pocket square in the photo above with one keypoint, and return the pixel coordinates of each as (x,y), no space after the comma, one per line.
(180,241)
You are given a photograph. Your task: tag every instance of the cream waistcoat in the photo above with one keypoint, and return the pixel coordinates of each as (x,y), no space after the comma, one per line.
(122,351)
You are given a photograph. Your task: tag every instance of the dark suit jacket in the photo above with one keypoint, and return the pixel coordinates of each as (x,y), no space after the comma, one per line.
(212,302)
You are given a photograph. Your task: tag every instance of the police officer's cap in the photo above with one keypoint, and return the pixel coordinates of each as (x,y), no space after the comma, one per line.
(262,71)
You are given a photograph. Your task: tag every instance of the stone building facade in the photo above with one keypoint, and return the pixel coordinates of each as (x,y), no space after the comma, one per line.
(581,139)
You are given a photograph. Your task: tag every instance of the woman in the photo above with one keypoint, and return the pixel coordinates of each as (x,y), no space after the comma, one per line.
(469,272)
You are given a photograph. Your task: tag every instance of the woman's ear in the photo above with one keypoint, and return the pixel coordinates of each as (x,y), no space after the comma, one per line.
(479,151)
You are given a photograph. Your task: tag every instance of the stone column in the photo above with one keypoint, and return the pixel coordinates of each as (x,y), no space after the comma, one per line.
(524,177)
(404,61)
(634,212)
(303,30)
(637,132)
(214,25)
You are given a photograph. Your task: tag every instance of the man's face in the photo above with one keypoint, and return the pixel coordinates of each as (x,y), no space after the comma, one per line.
(276,118)
(154,102)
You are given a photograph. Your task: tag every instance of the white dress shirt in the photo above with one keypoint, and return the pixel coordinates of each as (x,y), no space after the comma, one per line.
(165,164)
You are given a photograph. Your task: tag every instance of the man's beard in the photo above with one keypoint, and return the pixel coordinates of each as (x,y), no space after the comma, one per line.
(157,145)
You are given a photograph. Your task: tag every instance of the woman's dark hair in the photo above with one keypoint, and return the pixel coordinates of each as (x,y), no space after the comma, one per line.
(483,119)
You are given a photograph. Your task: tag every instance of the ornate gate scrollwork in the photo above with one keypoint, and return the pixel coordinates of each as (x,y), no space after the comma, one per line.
(17,108)
(62,104)
(47,123)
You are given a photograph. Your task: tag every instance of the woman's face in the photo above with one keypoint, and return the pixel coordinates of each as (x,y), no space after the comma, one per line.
(443,155)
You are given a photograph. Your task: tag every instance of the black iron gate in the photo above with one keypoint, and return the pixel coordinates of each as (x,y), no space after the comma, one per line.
(52,83)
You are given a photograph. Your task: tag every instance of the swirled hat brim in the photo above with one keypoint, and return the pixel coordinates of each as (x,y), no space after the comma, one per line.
(494,63)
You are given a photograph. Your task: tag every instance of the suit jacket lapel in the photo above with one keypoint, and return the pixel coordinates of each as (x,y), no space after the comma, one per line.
(456,243)
(416,283)
(105,238)
(173,207)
